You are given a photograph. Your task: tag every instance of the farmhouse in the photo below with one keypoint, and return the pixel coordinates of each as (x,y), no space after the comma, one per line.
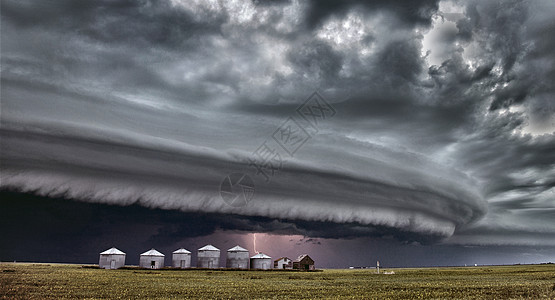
(303,262)
(283,263)
(237,258)
(111,259)
(208,257)
(151,259)
(181,258)
(261,261)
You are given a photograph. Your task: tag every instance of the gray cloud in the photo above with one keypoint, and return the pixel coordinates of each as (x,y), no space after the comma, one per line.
(444,125)
(178,177)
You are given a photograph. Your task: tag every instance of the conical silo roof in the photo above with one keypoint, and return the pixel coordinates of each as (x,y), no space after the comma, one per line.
(152,252)
(112,250)
(209,248)
(182,251)
(238,249)
(260,255)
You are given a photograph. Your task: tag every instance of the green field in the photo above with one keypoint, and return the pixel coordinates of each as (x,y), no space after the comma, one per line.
(43,281)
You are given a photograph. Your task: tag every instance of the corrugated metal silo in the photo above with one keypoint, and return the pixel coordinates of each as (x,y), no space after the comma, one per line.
(237,258)
(181,258)
(261,261)
(208,257)
(111,259)
(151,259)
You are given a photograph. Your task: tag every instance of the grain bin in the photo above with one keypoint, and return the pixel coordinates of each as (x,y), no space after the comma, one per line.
(111,259)
(237,258)
(261,261)
(208,257)
(151,259)
(181,258)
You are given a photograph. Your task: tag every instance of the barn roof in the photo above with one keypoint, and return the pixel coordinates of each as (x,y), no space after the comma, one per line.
(182,251)
(152,252)
(238,249)
(260,255)
(284,257)
(113,250)
(209,248)
(302,256)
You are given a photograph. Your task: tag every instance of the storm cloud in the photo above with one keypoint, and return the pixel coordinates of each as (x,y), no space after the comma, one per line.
(444,128)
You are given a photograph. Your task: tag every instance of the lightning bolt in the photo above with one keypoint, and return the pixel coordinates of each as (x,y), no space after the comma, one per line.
(254,241)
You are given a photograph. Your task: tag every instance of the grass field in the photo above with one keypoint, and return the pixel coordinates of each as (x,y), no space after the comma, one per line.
(44,281)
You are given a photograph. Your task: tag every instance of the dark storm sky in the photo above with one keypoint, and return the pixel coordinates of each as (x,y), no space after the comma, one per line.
(120,119)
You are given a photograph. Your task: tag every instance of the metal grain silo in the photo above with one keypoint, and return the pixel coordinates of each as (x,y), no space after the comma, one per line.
(181,258)
(151,259)
(111,259)
(237,258)
(261,261)
(208,257)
